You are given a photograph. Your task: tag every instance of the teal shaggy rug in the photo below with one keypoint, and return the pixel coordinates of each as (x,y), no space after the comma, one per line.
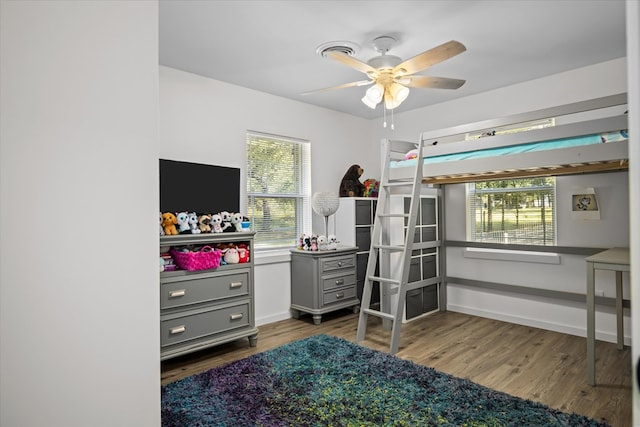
(328,381)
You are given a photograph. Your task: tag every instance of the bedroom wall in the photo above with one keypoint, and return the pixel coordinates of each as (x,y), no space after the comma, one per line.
(79,321)
(612,189)
(204,120)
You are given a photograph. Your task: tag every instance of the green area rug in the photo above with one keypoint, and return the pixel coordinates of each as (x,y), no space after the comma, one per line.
(328,381)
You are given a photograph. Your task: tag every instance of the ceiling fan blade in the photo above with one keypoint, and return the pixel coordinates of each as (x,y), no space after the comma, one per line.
(429,58)
(352,62)
(430,82)
(352,84)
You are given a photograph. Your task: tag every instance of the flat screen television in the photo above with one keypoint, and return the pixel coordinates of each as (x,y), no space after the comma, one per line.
(197,187)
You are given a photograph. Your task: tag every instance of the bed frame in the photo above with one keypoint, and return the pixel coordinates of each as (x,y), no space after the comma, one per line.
(589,117)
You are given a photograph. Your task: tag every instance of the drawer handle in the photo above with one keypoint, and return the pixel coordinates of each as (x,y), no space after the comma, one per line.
(339,263)
(178,293)
(234,285)
(236,316)
(340,282)
(340,295)
(177,330)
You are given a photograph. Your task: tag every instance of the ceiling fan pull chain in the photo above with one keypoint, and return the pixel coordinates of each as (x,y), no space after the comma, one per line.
(392,127)
(384,124)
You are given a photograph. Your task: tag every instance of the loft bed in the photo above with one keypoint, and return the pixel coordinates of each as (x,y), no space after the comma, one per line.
(582,137)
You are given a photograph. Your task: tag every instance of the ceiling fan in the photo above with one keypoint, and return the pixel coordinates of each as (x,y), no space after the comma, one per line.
(391,77)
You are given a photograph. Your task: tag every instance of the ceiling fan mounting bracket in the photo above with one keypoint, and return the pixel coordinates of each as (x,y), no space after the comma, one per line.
(383,44)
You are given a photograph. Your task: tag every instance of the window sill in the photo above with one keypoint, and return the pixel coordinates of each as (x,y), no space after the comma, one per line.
(272,257)
(511,255)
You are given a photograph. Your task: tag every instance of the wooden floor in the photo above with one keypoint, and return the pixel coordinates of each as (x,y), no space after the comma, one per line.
(531,363)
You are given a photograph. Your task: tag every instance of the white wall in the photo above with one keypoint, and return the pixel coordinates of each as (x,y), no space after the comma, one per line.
(204,120)
(633,54)
(79,320)
(612,190)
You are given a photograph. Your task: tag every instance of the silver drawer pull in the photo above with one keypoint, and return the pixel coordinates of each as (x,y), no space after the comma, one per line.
(177,293)
(339,263)
(340,295)
(233,285)
(340,282)
(236,316)
(177,330)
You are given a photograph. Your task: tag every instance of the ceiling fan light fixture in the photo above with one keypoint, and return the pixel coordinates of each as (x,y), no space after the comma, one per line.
(373,96)
(395,95)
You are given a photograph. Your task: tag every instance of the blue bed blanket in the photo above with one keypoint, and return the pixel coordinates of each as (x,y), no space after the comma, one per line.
(522,148)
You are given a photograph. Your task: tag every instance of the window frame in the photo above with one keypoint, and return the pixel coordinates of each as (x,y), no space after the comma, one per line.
(547,239)
(301,192)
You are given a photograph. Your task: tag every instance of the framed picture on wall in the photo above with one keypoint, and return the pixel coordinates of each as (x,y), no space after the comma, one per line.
(585,205)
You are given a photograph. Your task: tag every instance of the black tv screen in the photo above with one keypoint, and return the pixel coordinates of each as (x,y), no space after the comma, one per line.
(200,188)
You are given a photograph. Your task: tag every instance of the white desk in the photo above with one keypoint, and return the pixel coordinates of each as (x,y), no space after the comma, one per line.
(615,259)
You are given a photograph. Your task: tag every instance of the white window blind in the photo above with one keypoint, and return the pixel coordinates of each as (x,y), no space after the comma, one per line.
(513,211)
(278,189)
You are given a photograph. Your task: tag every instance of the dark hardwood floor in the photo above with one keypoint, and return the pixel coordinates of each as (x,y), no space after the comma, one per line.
(540,365)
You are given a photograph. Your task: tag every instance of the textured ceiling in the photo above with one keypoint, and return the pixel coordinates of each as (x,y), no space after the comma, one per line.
(270,46)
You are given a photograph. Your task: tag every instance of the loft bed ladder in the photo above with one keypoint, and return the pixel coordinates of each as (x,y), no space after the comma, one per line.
(395,282)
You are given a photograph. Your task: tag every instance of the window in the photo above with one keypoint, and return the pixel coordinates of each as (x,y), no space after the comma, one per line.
(278,189)
(512,211)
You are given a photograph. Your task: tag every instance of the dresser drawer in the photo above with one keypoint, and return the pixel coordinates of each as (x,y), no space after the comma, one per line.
(203,289)
(203,323)
(338,295)
(337,263)
(339,281)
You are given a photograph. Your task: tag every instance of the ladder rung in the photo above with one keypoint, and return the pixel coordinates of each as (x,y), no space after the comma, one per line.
(390,248)
(398,184)
(383,279)
(379,313)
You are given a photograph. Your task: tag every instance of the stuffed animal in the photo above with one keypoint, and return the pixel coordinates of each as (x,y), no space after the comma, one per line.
(236,221)
(322,243)
(350,186)
(169,222)
(371,187)
(183,222)
(226,222)
(411,154)
(231,255)
(306,242)
(204,223)
(314,243)
(162,233)
(216,223)
(193,223)
(243,253)
(332,242)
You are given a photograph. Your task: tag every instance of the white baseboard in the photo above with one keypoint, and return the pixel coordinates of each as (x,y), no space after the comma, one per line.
(273,318)
(537,323)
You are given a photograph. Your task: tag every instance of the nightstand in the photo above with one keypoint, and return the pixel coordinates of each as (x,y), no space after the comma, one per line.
(323,281)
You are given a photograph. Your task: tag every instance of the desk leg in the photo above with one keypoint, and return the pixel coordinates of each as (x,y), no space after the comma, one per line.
(591,326)
(619,316)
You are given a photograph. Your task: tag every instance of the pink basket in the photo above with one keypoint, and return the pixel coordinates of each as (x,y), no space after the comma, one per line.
(204,259)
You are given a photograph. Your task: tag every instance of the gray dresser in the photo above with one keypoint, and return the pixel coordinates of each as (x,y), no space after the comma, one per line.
(323,281)
(200,309)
